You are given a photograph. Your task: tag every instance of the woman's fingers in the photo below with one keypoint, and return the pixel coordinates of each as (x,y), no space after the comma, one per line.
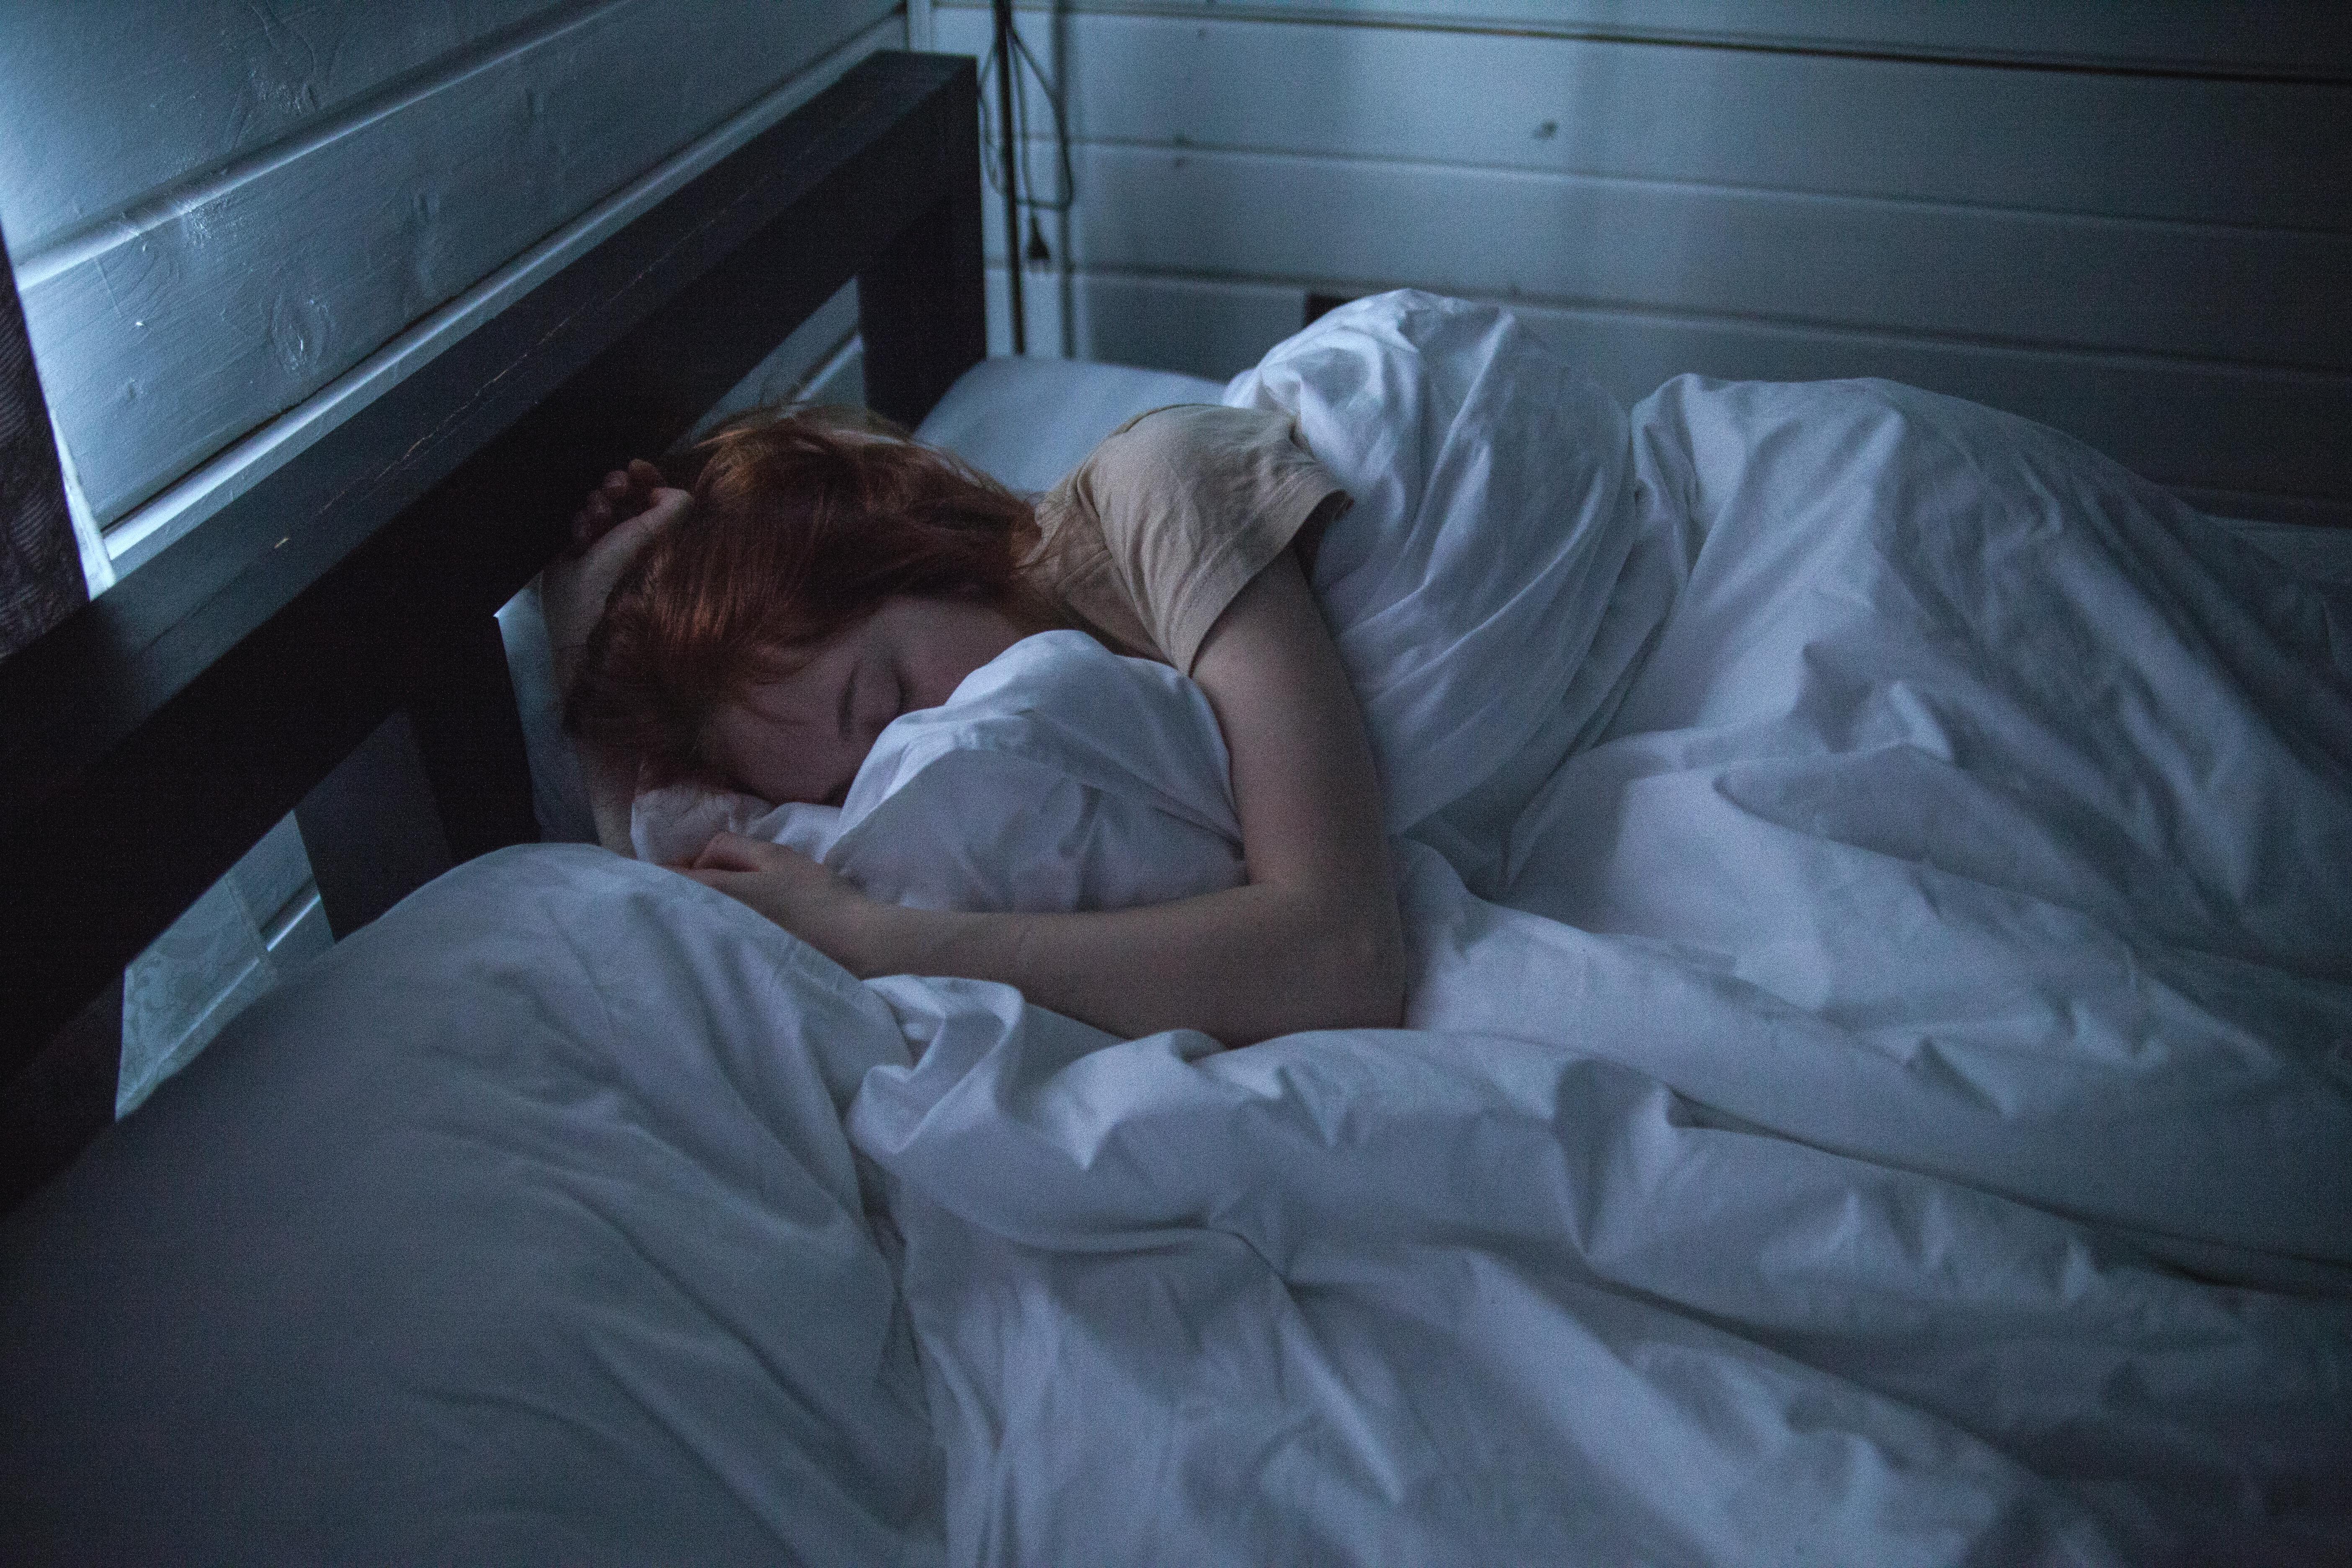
(768,877)
(619,496)
(575,587)
(733,852)
(628,490)
(618,545)
(595,517)
(662,505)
(590,521)
(791,889)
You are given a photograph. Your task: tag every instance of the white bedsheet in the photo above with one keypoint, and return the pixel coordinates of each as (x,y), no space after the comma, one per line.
(1945,795)
(1059,776)
(522,1228)
(519,1228)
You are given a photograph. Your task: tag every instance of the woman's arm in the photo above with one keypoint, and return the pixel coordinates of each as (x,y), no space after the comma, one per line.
(612,525)
(1313,940)
(612,778)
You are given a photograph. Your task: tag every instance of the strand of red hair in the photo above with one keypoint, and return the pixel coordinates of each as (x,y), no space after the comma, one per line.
(803,521)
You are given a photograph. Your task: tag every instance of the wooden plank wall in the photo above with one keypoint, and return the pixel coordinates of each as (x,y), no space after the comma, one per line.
(2134,223)
(220,212)
(236,223)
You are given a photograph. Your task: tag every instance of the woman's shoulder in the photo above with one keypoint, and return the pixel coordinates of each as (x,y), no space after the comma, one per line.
(1172,450)
(1185,428)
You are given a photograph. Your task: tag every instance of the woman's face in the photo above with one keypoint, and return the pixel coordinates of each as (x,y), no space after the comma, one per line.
(802,735)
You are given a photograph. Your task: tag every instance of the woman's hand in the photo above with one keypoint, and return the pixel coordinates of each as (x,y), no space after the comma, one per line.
(1312,941)
(612,525)
(795,892)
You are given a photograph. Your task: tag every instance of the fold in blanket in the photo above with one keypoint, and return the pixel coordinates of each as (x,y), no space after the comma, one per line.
(1403,1296)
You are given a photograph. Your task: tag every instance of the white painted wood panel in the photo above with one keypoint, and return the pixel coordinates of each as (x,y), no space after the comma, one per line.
(1215,329)
(2151,254)
(165,337)
(2304,39)
(264,450)
(236,470)
(1047,303)
(2249,442)
(102,105)
(2227,152)
(1916,269)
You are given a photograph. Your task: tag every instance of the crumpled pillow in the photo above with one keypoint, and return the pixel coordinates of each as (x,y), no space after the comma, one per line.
(1059,776)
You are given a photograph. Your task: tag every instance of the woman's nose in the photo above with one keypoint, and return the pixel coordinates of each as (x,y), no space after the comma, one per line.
(875,711)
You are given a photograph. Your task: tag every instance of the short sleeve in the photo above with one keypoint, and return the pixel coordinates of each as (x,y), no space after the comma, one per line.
(1192,502)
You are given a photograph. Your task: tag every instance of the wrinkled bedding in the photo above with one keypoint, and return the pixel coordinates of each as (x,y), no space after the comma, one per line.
(1878,1088)
(1892,1089)
(1891,1105)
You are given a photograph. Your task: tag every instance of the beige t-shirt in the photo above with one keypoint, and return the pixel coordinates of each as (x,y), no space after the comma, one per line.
(1147,541)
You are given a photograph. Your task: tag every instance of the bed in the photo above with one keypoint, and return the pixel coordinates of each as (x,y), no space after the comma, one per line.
(1880,1098)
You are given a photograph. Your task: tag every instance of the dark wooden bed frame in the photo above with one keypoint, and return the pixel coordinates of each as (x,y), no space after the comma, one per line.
(151,740)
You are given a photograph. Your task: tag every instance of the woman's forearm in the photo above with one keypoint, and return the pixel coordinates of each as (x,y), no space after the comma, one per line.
(614,523)
(612,778)
(610,775)
(1313,940)
(1240,965)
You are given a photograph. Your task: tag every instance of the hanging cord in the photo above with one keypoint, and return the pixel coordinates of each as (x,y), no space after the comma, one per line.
(1065,180)
(1009,149)
(1007,163)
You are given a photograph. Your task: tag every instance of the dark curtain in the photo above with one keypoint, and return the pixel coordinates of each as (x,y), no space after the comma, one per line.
(40,565)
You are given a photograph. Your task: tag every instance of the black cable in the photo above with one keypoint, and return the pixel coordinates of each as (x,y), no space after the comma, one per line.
(1066,180)
(1007,43)
(1009,55)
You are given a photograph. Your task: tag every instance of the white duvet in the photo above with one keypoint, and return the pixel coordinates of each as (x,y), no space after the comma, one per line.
(1921,936)
(1879,1087)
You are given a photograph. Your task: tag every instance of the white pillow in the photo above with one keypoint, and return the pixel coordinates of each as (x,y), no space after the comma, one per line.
(1059,776)
(1030,421)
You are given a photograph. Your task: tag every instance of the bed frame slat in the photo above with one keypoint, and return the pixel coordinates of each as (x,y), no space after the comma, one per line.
(933,265)
(154,736)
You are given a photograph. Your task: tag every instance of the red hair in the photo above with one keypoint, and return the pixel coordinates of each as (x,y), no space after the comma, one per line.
(803,521)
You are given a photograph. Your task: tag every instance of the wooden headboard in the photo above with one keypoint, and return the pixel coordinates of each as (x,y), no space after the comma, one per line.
(155,736)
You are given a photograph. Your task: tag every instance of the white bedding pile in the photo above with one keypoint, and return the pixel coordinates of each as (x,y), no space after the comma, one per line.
(1060,776)
(1943,945)
(1879,1089)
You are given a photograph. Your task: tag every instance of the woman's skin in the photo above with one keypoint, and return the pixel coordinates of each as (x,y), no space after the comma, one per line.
(1311,940)
(630,507)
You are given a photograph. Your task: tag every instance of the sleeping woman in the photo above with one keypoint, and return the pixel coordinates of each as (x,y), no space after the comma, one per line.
(825,575)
